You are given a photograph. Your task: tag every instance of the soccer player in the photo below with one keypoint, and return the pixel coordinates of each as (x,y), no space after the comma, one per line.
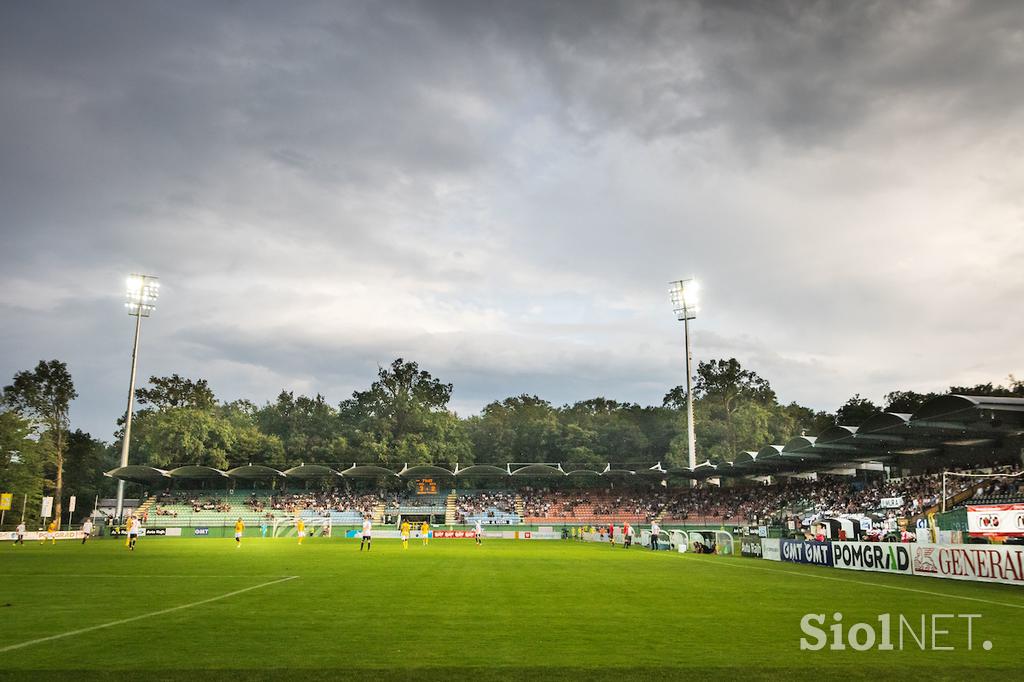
(478,531)
(239,529)
(133,532)
(51,534)
(611,534)
(405,534)
(86,530)
(425,533)
(20,530)
(367,534)
(655,529)
(627,536)
(300,526)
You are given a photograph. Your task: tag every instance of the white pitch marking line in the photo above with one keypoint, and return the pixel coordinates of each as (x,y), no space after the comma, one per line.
(861,582)
(125,575)
(161,612)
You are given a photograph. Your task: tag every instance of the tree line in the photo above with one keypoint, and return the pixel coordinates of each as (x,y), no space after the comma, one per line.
(402,417)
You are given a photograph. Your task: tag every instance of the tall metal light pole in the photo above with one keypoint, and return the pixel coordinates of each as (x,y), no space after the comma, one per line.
(684,302)
(141,294)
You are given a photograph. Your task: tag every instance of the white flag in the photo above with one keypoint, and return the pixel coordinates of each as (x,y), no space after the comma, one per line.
(71,504)
(47,507)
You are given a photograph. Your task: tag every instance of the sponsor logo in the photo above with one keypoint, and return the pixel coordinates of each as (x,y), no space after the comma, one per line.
(751,547)
(989,521)
(924,562)
(156,531)
(893,632)
(804,552)
(872,556)
(201,531)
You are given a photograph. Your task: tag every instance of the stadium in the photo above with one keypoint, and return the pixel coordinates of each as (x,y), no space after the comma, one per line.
(516,570)
(536,340)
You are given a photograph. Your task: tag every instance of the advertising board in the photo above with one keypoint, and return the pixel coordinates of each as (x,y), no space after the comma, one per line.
(872,556)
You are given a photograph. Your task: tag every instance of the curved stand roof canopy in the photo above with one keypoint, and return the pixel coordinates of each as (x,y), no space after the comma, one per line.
(136,473)
(482,470)
(196,472)
(424,470)
(704,470)
(367,470)
(539,470)
(254,472)
(576,473)
(837,437)
(311,471)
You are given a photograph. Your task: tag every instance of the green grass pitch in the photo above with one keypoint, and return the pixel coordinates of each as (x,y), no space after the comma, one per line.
(505,610)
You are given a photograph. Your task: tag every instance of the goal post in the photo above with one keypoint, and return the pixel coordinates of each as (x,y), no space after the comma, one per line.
(316,526)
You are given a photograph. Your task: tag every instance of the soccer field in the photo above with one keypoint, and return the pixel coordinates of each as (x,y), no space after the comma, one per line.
(507,609)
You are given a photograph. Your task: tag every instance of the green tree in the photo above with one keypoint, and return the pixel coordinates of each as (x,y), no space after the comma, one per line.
(310,429)
(727,392)
(805,421)
(21,462)
(855,411)
(176,391)
(183,435)
(613,433)
(44,396)
(522,428)
(403,417)
(1014,390)
(87,459)
(906,402)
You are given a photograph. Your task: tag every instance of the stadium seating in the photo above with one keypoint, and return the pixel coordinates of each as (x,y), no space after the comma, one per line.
(787,498)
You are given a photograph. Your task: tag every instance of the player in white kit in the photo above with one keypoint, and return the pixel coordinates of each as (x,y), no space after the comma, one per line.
(367,534)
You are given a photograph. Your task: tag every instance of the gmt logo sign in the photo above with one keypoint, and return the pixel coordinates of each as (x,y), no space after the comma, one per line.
(805,552)
(872,556)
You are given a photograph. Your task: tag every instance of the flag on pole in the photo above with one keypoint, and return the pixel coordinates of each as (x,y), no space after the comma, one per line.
(47,510)
(71,504)
(5,501)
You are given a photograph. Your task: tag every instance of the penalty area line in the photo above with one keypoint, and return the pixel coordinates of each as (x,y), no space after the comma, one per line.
(161,612)
(944,595)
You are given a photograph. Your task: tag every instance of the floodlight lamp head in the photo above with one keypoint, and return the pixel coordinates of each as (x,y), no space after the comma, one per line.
(141,292)
(684,298)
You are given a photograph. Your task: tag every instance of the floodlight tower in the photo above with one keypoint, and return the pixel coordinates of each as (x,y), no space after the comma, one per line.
(684,303)
(141,294)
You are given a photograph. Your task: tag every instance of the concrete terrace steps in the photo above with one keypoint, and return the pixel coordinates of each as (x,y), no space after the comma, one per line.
(451,509)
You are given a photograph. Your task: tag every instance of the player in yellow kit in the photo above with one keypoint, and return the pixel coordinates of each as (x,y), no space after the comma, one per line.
(239,529)
(425,533)
(300,526)
(51,534)
(404,530)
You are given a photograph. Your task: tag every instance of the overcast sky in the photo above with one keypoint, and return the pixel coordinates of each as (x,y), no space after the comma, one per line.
(502,190)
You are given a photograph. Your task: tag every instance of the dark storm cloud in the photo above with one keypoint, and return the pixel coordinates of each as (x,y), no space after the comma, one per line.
(500,190)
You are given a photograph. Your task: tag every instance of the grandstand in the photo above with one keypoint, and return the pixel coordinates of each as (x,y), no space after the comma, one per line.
(888,467)
(774,504)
